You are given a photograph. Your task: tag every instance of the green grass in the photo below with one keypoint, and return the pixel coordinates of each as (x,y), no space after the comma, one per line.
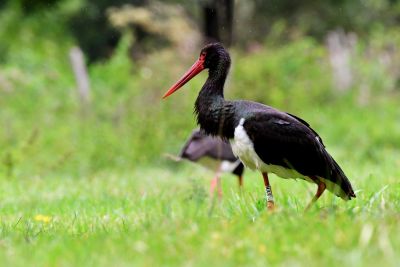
(161,215)
(165,217)
(94,189)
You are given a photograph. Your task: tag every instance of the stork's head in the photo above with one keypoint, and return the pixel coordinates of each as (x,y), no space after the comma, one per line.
(213,57)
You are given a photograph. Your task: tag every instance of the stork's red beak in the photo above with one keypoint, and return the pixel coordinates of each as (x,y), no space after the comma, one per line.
(197,67)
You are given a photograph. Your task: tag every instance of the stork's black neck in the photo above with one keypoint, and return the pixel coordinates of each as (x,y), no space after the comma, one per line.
(214,114)
(213,89)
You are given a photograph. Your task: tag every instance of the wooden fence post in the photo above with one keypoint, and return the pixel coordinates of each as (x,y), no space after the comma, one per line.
(82,79)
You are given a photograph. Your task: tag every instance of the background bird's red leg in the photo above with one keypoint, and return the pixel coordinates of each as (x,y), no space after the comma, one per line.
(216,183)
(240,180)
(219,186)
(268,191)
(320,191)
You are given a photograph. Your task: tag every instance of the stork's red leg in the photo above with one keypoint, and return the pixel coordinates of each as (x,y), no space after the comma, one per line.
(268,192)
(320,191)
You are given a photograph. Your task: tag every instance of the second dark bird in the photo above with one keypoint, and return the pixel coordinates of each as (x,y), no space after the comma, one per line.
(215,154)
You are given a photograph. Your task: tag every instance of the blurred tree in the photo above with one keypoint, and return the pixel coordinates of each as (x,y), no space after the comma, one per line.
(316,18)
(155,26)
(90,26)
(31,6)
(243,22)
(218,20)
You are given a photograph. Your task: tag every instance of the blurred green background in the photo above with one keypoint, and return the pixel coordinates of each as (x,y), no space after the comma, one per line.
(83,179)
(135,50)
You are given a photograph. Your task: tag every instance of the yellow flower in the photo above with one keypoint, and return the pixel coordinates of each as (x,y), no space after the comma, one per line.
(42,218)
(262,248)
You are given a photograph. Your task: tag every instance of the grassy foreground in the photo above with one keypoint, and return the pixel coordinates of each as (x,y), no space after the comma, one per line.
(163,218)
(95,190)
(162,215)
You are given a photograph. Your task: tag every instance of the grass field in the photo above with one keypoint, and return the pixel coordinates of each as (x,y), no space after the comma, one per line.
(161,215)
(93,189)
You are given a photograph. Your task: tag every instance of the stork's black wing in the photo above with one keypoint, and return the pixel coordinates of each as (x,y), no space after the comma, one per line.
(285,140)
(282,140)
(309,127)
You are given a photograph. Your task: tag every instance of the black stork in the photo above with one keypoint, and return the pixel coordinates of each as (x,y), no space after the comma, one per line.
(215,154)
(264,138)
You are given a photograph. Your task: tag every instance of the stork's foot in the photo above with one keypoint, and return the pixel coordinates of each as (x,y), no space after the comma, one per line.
(320,191)
(270,205)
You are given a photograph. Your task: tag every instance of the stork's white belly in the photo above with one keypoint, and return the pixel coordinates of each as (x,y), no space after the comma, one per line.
(243,148)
